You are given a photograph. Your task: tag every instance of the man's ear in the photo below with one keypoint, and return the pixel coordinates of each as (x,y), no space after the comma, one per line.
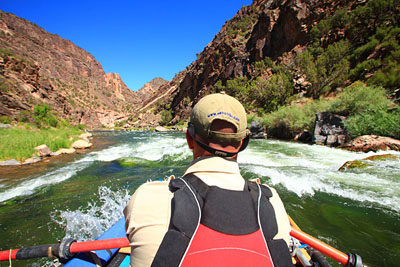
(189,139)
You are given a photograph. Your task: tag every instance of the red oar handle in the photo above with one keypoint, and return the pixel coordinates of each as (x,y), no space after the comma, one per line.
(63,250)
(320,246)
(6,255)
(99,244)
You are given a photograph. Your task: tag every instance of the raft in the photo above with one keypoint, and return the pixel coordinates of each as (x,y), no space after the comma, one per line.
(112,249)
(121,257)
(111,257)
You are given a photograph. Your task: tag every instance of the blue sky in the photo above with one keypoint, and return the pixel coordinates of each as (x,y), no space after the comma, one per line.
(139,40)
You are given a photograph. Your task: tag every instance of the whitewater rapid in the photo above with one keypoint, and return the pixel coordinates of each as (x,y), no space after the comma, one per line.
(152,148)
(301,169)
(307,169)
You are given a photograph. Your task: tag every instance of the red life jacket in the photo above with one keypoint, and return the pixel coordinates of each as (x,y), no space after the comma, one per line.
(211,226)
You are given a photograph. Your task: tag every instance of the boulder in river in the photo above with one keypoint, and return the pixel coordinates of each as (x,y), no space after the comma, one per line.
(2,125)
(329,129)
(81,144)
(31,160)
(44,150)
(367,143)
(257,130)
(304,137)
(11,162)
(363,163)
(85,136)
(161,129)
(65,151)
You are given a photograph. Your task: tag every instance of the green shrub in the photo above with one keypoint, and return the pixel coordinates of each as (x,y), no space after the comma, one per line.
(377,122)
(5,52)
(6,119)
(43,116)
(359,98)
(272,93)
(365,19)
(259,93)
(365,67)
(368,110)
(120,124)
(325,68)
(251,118)
(294,118)
(64,123)
(166,116)
(383,68)
(24,116)
(4,85)
(81,126)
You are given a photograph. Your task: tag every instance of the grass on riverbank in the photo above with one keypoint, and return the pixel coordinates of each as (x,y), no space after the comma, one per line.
(19,143)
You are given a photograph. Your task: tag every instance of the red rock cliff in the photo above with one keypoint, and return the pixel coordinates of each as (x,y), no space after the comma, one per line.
(264,29)
(37,66)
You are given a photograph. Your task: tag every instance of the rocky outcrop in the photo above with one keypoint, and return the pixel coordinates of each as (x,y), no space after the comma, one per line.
(367,143)
(257,131)
(304,137)
(39,67)
(329,129)
(121,91)
(275,29)
(150,88)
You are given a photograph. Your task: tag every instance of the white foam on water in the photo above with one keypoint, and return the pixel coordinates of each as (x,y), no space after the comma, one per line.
(29,185)
(158,147)
(305,169)
(302,169)
(89,222)
(108,154)
(154,148)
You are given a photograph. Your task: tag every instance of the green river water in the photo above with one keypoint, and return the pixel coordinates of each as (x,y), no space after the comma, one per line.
(82,195)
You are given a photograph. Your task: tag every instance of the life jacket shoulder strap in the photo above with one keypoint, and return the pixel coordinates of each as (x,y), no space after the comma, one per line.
(192,197)
(185,217)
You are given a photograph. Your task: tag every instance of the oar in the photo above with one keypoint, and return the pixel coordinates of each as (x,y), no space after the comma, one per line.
(68,247)
(348,260)
(64,250)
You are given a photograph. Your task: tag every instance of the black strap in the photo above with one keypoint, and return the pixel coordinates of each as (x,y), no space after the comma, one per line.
(214,151)
(227,211)
(220,212)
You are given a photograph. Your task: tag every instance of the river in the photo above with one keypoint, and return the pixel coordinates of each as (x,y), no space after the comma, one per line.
(80,196)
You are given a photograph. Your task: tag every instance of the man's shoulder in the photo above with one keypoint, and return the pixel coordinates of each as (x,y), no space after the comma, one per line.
(153,185)
(149,194)
(161,183)
(258,181)
(273,190)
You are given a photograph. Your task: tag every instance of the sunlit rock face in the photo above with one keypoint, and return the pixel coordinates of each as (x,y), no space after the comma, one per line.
(39,67)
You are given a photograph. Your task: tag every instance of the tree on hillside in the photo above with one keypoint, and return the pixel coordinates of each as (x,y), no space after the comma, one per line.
(324,68)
